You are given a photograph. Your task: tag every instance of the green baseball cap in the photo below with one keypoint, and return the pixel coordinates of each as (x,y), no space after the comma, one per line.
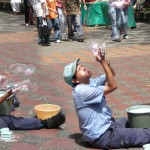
(69,71)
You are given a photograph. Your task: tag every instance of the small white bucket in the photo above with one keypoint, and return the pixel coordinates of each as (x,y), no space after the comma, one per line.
(146,146)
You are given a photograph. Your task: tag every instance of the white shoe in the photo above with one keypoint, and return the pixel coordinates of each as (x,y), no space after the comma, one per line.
(117,38)
(27,24)
(58,41)
(126,37)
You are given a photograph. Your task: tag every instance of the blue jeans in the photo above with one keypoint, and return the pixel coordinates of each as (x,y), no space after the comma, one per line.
(124,21)
(42,38)
(70,21)
(62,19)
(115,16)
(119,135)
(63,23)
(54,23)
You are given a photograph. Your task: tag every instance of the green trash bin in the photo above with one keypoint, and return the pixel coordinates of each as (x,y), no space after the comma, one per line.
(5,106)
(139,116)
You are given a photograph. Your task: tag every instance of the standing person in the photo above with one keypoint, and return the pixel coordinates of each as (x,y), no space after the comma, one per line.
(72,10)
(62,19)
(85,8)
(28,12)
(15,4)
(117,18)
(98,127)
(39,7)
(124,19)
(53,20)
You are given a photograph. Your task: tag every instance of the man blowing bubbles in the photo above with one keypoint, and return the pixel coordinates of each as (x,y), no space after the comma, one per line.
(96,123)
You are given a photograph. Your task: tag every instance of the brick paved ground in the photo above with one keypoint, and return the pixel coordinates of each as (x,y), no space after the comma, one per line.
(130,58)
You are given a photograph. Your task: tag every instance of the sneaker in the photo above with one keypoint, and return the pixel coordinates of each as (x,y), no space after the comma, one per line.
(56,121)
(126,37)
(39,43)
(27,24)
(57,41)
(46,44)
(80,39)
(117,39)
(65,39)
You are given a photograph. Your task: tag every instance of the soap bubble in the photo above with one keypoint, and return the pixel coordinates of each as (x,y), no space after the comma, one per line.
(23,86)
(22,69)
(3,81)
(94,45)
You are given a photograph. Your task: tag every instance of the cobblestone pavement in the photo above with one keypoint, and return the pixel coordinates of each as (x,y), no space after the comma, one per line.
(130,58)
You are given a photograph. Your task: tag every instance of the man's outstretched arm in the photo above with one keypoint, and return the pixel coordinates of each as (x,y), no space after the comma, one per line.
(111,86)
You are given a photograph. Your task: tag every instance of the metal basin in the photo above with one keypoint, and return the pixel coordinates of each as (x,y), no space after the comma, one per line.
(139,116)
(5,106)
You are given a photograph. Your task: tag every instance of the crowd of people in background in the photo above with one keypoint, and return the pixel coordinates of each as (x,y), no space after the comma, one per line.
(60,14)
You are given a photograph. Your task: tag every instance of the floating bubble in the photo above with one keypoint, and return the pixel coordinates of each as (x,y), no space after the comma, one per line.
(23,86)
(22,69)
(94,45)
(3,81)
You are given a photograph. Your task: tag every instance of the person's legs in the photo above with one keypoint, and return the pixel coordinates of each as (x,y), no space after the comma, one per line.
(62,19)
(12,3)
(125,25)
(69,23)
(30,13)
(56,30)
(119,136)
(20,123)
(130,137)
(26,12)
(114,16)
(50,24)
(79,27)
(40,36)
(18,3)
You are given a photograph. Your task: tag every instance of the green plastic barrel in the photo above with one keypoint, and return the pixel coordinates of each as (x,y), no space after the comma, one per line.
(139,116)
(5,106)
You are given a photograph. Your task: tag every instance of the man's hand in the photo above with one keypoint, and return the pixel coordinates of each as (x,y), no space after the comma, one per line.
(99,56)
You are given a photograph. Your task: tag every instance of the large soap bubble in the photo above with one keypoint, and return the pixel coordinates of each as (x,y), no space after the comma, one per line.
(3,81)
(23,86)
(94,45)
(22,69)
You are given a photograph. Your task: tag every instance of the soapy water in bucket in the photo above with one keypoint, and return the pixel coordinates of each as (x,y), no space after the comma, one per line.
(22,69)
(140,110)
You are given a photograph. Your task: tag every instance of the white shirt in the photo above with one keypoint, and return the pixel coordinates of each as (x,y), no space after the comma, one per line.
(37,7)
